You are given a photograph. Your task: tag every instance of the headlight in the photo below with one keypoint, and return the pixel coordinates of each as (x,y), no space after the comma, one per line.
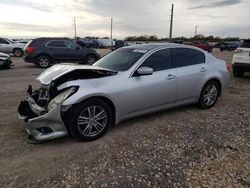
(61,97)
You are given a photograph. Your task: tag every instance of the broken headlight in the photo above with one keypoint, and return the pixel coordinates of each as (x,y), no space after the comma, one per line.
(61,97)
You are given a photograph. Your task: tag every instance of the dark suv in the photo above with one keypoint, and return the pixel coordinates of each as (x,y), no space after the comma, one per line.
(46,51)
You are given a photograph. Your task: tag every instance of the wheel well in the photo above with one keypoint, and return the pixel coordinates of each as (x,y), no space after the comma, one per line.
(108,101)
(91,55)
(17,48)
(43,55)
(218,82)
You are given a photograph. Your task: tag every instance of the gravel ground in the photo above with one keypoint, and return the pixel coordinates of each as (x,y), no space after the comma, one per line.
(182,147)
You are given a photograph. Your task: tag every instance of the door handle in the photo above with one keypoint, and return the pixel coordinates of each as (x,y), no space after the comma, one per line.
(170,77)
(203,69)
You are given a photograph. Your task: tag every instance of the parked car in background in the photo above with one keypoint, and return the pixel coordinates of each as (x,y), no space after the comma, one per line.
(217,45)
(228,46)
(241,59)
(47,51)
(203,45)
(119,44)
(8,46)
(85,101)
(91,43)
(23,41)
(5,61)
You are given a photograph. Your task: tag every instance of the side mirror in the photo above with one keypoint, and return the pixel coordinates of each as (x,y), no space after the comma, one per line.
(77,47)
(143,71)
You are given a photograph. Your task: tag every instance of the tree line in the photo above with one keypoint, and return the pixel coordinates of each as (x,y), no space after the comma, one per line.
(209,38)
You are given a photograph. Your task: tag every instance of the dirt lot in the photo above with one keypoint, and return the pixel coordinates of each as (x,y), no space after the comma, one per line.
(183,147)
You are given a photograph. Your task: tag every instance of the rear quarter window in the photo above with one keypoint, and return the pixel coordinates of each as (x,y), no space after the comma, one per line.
(56,43)
(187,57)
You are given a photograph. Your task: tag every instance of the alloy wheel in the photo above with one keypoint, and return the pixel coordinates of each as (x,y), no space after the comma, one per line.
(91,60)
(17,53)
(210,95)
(92,121)
(43,62)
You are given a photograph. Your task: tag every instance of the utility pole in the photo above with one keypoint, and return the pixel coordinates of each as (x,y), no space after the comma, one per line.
(75,26)
(111,29)
(171,22)
(195,30)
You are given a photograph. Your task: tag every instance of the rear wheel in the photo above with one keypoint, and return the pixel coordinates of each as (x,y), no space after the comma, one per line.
(209,95)
(90,120)
(238,74)
(18,52)
(43,61)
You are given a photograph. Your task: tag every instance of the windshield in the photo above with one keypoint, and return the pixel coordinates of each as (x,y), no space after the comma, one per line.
(121,59)
(11,41)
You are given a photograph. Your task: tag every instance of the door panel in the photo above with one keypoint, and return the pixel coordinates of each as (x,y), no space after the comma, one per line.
(150,91)
(191,72)
(190,79)
(5,46)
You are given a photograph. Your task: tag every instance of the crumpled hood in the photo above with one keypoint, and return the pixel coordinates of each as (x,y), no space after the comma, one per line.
(59,70)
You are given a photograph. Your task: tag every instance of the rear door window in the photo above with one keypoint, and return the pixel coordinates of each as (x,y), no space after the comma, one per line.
(70,44)
(187,57)
(56,43)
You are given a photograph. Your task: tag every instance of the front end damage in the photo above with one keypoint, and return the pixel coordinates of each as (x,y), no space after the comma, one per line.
(42,111)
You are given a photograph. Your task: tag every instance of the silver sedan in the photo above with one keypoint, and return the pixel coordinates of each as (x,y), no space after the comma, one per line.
(84,101)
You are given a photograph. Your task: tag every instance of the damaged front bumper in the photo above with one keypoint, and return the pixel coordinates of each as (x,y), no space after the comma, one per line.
(41,124)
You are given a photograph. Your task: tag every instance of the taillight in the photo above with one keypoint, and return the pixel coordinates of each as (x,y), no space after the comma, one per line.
(229,66)
(30,49)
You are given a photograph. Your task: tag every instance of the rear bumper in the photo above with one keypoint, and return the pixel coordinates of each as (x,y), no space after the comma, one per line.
(28,59)
(42,125)
(241,67)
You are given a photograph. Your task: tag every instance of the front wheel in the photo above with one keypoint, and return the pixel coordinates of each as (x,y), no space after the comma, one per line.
(209,95)
(90,120)
(91,59)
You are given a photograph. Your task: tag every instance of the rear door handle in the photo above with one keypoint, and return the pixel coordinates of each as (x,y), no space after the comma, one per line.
(203,69)
(170,77)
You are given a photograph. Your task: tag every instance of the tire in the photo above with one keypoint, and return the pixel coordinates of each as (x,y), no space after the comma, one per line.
(238,74)
(91,59)
(18,52)
(81,121)
(43,61)
(209,95)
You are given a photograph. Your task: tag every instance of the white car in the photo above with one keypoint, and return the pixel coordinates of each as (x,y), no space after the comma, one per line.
(241,59)
(85,101)
(8,46)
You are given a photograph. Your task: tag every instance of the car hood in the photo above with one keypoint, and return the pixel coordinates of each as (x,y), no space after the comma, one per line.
(4,55)
(72,71)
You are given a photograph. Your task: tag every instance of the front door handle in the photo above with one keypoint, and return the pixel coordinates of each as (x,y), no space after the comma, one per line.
(170,77)
(203,69)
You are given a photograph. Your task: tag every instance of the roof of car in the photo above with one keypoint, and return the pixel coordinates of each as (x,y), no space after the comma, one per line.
(158,45)
(52,38)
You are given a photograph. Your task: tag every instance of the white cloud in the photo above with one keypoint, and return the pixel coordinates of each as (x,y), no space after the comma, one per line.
(54,18)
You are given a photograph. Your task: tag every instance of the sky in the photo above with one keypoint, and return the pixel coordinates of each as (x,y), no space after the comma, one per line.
(54,18)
